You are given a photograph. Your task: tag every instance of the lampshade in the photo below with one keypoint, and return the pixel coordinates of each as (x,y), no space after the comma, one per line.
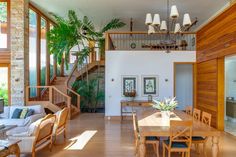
(156,20)
(148,19)
(163,26)
(187,20)
(151,29)
(177,28)
(174,12)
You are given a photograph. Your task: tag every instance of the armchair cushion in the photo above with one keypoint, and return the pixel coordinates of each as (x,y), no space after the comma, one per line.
(16,113)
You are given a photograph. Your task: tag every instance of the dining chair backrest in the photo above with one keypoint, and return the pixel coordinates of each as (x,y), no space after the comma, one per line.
(206,118)
(196,114)
(135,125)
(189,110)
(181,131)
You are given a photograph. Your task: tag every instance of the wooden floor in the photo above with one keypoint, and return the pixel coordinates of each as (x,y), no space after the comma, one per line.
(114,139)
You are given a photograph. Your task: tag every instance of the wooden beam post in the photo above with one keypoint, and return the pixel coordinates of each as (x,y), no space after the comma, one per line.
(220,93)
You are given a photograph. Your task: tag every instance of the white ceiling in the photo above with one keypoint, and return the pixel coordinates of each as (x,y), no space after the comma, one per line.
(101,11)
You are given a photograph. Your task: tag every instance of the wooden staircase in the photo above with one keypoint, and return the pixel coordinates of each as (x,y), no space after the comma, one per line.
(60,93)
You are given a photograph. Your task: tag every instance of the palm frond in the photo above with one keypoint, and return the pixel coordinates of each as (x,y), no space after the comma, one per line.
(113,24)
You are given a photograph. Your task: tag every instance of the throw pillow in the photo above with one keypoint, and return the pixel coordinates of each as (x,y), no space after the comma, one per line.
(16,113)
(23,113)
(29,113)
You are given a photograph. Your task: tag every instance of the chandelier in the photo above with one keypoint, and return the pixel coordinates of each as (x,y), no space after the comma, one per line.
(171,24)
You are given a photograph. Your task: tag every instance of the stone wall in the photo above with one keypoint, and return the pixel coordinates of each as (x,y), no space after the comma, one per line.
(19,50)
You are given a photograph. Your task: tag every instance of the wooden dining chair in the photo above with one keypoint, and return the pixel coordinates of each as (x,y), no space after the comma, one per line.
(189,110)
(180,138)
(196,140)
(154,141)
(197,114)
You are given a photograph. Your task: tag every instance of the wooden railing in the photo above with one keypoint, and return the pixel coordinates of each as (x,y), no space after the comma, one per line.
(137,41)
(51,98)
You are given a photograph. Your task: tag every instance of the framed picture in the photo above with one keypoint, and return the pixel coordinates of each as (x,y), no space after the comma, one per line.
(150,85)
(129,83)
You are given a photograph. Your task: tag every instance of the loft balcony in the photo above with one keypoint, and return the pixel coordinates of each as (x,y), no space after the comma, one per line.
(142,41)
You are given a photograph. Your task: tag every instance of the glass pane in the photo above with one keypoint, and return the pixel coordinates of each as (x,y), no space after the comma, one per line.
(4,84)
(3,24)
(51,59)
(43,51)
(32,51)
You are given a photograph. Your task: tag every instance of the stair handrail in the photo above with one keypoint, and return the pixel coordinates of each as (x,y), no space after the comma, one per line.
(71,73)
(51,88)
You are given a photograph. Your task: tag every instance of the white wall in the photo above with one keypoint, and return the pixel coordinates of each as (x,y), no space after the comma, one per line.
(139,63)
(184,85)
(230,78)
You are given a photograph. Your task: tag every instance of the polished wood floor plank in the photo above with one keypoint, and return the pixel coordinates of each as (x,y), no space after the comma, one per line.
(115,139)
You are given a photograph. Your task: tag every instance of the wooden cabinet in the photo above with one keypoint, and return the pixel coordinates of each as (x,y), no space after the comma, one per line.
(127,107)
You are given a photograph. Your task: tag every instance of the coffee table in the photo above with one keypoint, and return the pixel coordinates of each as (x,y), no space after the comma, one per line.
(5,129)
(9,147)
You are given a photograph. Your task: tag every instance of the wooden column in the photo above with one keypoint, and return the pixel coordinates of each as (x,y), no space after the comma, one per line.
(220,92)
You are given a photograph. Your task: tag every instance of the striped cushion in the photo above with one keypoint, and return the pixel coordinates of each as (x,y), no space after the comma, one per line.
(23,113)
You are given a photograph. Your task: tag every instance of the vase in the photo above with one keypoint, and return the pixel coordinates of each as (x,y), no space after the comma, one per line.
(165,115)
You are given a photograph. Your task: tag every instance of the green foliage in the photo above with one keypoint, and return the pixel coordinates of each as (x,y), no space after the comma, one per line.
(3,11)
(113,24)
(4,93)
(166,105)
(74,31)
(90,94)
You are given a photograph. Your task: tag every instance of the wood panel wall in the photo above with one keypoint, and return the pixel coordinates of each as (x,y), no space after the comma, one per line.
(214,41)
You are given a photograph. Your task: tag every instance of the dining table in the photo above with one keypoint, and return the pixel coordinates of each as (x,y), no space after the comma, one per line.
(151,123)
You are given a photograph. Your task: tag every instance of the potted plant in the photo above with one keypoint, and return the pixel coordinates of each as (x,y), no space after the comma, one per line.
(165,106)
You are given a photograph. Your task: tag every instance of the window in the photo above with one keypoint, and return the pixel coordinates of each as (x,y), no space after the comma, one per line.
(43,53)
(32,51)
(39,59)
(4,75)
(4,29)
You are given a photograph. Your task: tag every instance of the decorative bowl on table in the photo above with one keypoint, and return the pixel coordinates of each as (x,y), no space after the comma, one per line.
(130,94)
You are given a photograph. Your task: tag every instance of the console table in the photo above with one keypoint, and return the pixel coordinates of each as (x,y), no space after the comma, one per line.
(133,105)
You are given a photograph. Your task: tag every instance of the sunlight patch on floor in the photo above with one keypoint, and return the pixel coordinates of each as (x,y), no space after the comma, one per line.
(80,141)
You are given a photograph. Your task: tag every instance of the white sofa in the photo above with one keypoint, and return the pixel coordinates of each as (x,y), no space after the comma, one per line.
(5,118)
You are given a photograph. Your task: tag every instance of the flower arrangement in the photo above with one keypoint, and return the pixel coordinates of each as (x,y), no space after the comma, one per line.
(166,105)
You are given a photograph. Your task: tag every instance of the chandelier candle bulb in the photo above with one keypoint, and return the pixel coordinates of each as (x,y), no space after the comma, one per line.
(174,12)
(151,29)
(148,19)
(163,26)
(177,28)
(187,20)
(156,20)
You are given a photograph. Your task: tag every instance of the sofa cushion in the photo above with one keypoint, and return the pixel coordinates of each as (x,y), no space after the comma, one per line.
(18,122)
(16,113)
(23,113)
(38,109)
(29,113)
(18,131)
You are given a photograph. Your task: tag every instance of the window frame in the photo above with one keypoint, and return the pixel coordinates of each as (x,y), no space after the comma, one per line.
(8,66)
(7,50)
(38,46)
